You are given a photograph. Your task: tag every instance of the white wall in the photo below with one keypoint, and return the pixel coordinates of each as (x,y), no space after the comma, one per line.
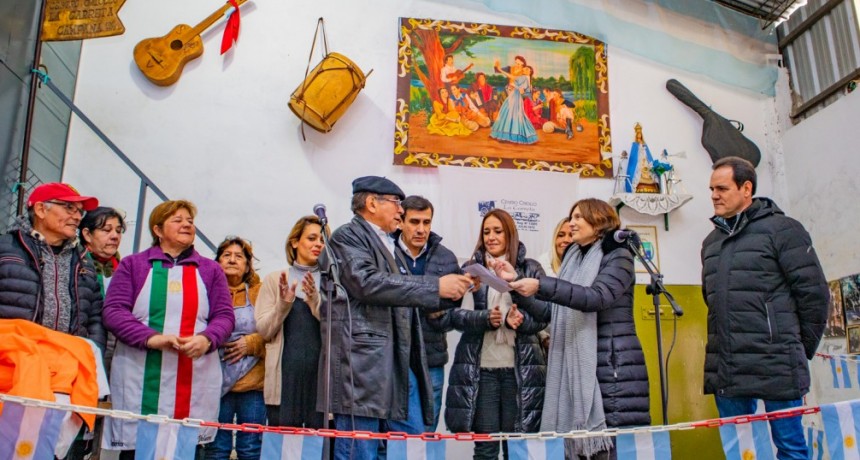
(823,170)
(223,136)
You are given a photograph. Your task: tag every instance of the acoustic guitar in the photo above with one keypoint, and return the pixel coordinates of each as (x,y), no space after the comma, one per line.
(457,75)
(161,59)
(720,137)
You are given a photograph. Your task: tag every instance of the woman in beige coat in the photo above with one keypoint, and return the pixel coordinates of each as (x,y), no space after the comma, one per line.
(288,318)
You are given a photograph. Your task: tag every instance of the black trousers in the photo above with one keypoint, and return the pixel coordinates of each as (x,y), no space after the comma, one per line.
(496,409)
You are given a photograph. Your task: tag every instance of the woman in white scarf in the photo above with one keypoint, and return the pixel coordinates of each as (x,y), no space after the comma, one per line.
(498,375)
(596,375)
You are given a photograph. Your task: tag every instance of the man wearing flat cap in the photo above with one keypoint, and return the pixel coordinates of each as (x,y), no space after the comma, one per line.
(379,373)
(44,276)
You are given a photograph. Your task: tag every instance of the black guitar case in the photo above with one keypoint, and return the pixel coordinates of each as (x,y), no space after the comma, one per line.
(720,137)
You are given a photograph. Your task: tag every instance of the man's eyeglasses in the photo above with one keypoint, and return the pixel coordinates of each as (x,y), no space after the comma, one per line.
(396,201)
(69,207)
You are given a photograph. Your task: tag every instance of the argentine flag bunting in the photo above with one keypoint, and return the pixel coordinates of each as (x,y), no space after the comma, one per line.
(841,376)
(292,447)
(747,441)
(644,446)
(416,449)
(536,449)
(815,443)
(165,441)
(841,423)
(28,433)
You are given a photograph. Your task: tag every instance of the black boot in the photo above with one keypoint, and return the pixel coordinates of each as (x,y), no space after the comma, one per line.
(568,128)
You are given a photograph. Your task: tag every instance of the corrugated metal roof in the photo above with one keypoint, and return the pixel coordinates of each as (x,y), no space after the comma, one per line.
(768,11)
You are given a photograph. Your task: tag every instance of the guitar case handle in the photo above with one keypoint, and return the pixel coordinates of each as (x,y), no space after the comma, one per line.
(320,25)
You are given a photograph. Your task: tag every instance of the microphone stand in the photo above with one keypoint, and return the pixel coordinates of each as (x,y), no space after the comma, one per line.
(329,278)
(655,288)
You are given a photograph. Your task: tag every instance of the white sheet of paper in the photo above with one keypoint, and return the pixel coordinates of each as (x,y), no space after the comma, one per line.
(487,277)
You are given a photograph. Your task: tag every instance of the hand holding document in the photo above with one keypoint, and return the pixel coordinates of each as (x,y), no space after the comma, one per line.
(487,277)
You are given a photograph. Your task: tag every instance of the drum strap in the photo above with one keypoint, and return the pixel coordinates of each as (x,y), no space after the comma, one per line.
(320,25)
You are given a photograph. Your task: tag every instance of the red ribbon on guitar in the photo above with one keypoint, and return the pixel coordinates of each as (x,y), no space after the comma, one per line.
(231,30)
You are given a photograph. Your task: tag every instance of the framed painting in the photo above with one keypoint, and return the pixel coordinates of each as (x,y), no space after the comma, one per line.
(490,96)
(836,314)
(851,299)
(650,249)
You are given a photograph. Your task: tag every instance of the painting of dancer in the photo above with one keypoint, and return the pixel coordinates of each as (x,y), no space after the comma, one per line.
(482,95)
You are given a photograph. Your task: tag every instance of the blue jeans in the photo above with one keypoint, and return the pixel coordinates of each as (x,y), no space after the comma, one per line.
(246,407)
(346,449)
(437,376)
(788,434)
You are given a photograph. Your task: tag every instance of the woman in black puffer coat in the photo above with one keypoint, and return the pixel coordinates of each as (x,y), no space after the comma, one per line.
(621,372)
(498,376)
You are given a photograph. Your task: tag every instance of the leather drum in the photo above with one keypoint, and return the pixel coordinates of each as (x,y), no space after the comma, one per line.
(327,92)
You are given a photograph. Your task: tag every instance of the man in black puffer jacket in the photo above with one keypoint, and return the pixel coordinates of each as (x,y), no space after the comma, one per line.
(767,303)
(44,276)
(426,255)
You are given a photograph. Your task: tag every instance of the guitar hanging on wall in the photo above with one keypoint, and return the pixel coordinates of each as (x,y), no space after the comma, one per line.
(161,59)
(720,137)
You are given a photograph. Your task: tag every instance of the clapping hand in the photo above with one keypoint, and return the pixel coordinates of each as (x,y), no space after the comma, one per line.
(309,287)
(495,318)
(515,317)
(287,291)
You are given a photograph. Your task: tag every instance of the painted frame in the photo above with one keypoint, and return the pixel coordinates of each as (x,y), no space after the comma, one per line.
(482,126)
(650,247)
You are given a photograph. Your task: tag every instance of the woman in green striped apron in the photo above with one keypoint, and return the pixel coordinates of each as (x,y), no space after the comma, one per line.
(170,310)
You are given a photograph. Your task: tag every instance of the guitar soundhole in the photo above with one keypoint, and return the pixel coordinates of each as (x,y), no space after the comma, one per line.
(176,45)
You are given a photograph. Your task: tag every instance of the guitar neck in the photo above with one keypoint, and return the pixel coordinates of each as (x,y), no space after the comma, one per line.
(687,97)
(206,23)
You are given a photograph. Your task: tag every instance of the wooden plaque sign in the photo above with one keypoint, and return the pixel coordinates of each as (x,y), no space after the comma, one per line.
(80,19)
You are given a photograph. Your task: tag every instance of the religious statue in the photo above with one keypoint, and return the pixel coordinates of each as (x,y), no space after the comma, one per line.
(641,177)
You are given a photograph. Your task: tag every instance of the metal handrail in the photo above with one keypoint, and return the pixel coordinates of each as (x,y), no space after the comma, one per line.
(145,181)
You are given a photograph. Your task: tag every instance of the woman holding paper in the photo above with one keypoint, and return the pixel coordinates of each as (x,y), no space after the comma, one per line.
(594,351)
(497,379)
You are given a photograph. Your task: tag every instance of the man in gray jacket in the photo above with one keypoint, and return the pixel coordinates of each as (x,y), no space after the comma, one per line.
(379,374)
(767,304)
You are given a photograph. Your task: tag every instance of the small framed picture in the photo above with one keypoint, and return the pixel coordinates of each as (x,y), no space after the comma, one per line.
(650,249)
(854,339)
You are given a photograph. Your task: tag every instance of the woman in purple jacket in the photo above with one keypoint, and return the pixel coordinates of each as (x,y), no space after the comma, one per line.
(169,309)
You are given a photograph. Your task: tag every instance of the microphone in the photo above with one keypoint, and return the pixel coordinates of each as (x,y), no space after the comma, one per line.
(621,236)
(319,210)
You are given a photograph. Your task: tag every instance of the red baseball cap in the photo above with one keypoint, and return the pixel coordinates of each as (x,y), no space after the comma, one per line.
(62,192)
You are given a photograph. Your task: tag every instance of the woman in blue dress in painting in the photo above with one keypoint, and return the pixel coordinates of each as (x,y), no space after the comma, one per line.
(513,125)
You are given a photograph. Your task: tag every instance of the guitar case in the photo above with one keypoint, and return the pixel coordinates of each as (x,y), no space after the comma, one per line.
(720,137)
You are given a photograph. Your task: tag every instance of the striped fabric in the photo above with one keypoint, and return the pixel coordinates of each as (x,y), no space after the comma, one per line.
(536,449)
(841,375)
(158,441)
(747,441)
(293,447)
(416,449)
(842,429)
(644,446)
(172,301)
(28,433)
(815,443)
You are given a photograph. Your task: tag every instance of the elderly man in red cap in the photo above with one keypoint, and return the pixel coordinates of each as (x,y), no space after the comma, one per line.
(44,276)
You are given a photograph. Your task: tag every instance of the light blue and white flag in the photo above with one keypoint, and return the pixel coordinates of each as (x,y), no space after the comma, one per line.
(292,447)
(841,376)
(747,441)
(536,449)
(168,441)
(416,449)
(815,443)
(644,446)
(841,424)
(28,432)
